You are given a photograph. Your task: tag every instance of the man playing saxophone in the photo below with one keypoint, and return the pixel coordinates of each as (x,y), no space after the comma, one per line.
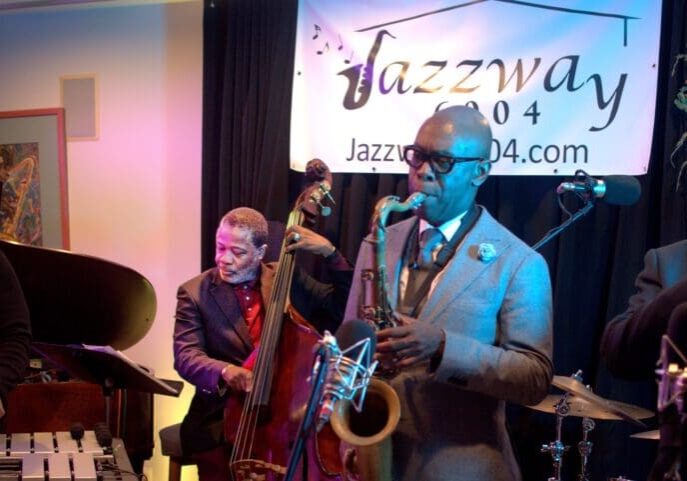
(472,309)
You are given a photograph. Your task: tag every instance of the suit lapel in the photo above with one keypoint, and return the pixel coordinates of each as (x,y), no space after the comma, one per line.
(466,266)
(224,296)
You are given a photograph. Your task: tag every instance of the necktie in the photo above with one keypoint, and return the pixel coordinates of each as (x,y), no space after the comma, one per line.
(430,240)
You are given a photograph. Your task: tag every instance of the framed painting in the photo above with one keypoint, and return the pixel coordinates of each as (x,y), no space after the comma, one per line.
(33,178)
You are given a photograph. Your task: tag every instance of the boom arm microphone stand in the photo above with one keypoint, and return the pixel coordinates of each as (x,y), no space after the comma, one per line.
(572,217)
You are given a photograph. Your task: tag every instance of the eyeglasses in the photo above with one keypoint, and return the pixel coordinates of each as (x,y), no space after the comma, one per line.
(441,164)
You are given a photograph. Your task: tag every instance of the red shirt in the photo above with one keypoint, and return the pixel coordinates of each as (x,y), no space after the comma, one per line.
(253,311)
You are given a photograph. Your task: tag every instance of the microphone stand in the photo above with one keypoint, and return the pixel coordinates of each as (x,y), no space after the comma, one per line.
(589,205)
(319,374)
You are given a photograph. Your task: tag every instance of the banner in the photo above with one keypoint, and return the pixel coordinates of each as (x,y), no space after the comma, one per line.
(565,85)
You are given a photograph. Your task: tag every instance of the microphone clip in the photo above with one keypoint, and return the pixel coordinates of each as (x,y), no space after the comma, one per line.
(586,187)
(347,378)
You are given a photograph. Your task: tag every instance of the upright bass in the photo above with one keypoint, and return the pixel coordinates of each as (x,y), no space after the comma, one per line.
(263,425)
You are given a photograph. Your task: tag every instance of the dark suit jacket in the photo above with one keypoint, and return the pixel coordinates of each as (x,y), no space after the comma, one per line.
(631,341)
(15,330)
(210,332)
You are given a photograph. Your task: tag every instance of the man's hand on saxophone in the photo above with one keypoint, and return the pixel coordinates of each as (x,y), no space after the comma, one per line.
(410,343)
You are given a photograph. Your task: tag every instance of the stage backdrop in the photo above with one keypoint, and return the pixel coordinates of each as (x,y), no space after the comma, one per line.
(565,85)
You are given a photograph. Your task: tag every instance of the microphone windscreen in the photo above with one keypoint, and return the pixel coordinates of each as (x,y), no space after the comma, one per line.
(621,190)
(353,331)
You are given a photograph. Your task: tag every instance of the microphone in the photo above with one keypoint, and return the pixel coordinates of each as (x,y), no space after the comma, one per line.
(349,366)
(614,189)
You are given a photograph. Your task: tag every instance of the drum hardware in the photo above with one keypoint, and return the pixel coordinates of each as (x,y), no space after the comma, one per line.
(556,448)
(584,447)
(578,400)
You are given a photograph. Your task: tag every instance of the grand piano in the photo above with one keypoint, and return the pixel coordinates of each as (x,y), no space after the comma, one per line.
(77,300)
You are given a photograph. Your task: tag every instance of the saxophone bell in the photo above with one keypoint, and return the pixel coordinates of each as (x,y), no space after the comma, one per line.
(366,434)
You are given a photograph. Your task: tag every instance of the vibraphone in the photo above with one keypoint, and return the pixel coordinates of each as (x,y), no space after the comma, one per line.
(60,457)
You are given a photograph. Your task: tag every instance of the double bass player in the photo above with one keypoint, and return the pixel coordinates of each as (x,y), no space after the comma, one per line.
(218,323)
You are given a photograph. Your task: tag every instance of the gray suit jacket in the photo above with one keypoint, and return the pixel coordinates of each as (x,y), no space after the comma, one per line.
(497,317)
(631,341)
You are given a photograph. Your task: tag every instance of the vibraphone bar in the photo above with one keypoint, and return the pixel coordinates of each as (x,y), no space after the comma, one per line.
(60,457)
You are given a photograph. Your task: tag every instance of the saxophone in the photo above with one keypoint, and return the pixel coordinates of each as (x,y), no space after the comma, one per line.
(376,307)
(366,435)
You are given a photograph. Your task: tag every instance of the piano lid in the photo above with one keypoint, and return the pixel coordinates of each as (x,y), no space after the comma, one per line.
(81,299)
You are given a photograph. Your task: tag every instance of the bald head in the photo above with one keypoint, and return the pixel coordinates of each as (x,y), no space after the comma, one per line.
(462,138)
(458,131)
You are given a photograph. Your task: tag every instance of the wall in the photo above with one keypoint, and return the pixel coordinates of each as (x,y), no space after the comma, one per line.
(134,193)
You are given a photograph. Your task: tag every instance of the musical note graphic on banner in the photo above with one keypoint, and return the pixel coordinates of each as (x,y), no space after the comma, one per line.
(336,40)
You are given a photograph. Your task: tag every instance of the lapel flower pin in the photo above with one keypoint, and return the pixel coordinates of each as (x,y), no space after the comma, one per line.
(486,252)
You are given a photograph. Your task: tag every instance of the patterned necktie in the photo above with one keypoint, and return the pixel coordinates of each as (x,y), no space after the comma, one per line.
(430,239)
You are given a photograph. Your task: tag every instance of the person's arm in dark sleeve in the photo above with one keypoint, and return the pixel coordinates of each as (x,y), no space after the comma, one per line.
(327,300)
(15,329)
(631,341)
(191,359)
(322,304)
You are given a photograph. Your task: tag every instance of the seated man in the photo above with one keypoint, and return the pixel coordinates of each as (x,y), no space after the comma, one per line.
(15,331)
(219,318)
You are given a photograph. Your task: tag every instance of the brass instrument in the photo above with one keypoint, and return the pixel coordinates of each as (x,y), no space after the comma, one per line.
(368,431)
(375,307)
(366,435)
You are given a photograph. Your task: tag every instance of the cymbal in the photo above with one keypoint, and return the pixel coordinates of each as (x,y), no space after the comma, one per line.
(624,411)
(580,407)
(653,435)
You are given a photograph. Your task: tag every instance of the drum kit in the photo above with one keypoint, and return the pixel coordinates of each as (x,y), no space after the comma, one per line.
(578,400)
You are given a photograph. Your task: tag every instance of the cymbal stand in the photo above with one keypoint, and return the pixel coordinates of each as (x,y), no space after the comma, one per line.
(557,448)
(585,447)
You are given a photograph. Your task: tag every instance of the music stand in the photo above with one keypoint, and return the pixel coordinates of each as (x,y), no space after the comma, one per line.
(107,367)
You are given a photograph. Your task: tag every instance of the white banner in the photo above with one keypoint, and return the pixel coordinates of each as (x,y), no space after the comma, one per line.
(566,85)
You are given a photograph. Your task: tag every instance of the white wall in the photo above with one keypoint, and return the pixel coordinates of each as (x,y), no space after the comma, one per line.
(134,193)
